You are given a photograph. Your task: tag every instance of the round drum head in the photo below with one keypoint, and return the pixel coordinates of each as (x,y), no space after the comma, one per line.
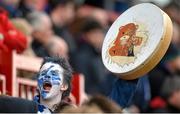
(137,41)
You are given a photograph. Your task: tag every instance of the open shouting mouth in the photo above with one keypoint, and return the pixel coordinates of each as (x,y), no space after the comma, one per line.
(47,86)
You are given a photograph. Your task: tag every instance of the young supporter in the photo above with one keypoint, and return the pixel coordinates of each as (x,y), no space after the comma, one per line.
(54,84)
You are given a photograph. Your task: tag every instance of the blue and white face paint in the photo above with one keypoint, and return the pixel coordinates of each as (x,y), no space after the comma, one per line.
(50,80)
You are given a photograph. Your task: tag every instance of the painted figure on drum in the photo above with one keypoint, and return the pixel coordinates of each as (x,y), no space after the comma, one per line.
(129,41)
(125,41)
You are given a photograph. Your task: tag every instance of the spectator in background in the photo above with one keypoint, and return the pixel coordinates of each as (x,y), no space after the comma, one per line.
(99,14)
(97,104)
(168,66)
(88,59)
(28,6)
(58,47)
(171,93)
(176,35)
(22,25)
(42,32)
(99,3)
(172,9)
(11,6)
(62,13)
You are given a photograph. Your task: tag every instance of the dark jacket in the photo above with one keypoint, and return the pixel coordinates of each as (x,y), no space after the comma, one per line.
(67,36)
(17,105)
(38,49)
(123,91)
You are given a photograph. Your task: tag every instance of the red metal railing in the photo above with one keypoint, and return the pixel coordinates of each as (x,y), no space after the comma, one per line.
(26,88)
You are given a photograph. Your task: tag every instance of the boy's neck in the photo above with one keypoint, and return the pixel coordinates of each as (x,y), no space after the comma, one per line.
(51,103)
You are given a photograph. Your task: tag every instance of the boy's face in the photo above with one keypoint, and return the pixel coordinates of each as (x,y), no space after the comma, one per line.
(50,80)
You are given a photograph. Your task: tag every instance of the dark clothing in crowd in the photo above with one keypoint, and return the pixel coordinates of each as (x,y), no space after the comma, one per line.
(170,109)
(25,11)
(157,77)
(158,74)
(142,95)
(97,79)
(67,36)
(166,109)
(38,49)
(17,105)
(12,10)
(123,91)
(131,92)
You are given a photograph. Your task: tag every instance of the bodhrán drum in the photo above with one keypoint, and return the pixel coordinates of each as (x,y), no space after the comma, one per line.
(137,41)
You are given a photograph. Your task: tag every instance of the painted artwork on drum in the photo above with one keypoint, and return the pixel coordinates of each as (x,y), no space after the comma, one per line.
(130,39)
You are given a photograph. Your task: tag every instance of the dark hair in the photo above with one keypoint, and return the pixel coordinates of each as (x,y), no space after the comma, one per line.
(105,104)
(67,71)
(170,54)
(90,24)
(97,104)
(170,85)
(173,3)
(55,3)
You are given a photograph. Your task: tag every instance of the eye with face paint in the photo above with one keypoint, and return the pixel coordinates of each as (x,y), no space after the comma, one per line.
(50,80)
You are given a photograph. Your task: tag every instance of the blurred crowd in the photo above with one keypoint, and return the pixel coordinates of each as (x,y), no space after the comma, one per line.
(75,29)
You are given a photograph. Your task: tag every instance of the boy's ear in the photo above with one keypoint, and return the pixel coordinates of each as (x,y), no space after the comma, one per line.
(64,87)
